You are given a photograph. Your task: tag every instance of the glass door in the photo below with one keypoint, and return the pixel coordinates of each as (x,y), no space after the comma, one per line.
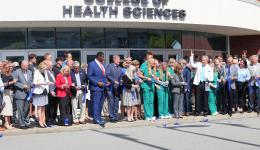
(176,54)
(13,55)
(109,55)
(159,55)
(89,55)
(40,54)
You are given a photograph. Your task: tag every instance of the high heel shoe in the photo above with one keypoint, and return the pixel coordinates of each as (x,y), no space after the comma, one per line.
(41,125)
(129,119)
(8,127)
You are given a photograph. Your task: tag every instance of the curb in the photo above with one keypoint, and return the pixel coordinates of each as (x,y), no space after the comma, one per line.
(124,124)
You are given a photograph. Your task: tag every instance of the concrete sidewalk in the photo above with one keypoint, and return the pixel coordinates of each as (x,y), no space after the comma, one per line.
(125,124)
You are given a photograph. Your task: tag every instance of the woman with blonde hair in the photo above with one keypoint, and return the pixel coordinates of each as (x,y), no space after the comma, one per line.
(41,89)
(148,88)
(138,109)
(171,63)
(63,86)
(162,91)
(8,82)
(129,94)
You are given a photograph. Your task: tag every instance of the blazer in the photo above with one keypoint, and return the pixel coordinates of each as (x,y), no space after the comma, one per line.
(233,73)
(198,66)
(82,76)
(113,74)
(95,75)
(20,92)
(51,78)
(60,80)
(253,74)
(187,78)
(176,84)
(38,78)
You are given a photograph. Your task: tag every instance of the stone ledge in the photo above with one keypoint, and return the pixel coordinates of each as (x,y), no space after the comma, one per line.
(125,124)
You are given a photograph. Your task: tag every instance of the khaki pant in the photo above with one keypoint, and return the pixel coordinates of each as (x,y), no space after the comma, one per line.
(74,103)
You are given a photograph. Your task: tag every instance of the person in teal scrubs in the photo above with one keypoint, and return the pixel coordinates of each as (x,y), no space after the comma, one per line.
(148,87)
(213,92)
(163,91)
(171,64)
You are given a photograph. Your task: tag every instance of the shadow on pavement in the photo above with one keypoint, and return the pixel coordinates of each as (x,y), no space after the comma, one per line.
(126,137)
(206,135)
(236,125)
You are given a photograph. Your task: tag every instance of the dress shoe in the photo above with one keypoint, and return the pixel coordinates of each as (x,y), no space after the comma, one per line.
(196,114)
(102,124)
(113,120)
(23,127)
(205,114)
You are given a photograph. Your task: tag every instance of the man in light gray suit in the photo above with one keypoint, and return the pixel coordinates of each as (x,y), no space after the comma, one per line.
(254,84)
(22,90)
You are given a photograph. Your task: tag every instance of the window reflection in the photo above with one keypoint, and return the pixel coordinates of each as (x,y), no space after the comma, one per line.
(156,39)
(68,37)
(92,38)
(12,38)
(138,38)
(41,38)
(116,38)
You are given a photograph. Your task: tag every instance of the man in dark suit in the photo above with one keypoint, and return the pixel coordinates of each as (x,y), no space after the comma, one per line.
(22,90)
(188,87)
(51,111)
(79,78)
(113,74)
(56,68)
(97,84)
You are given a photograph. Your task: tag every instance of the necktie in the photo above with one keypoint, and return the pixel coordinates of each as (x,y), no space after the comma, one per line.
(102,68)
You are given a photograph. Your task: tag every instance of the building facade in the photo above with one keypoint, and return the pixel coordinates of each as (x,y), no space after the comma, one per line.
(168,28)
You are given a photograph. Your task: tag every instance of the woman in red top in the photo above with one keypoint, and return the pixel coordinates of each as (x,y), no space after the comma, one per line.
(63,85)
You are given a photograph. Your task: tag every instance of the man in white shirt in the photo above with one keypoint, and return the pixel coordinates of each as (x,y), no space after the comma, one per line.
(79,78)
(254,84)
(203,75)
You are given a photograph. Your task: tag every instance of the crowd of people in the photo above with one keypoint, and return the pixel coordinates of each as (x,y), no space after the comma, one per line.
(69,93)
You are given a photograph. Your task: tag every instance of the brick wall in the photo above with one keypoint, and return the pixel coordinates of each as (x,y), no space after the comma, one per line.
(249,43)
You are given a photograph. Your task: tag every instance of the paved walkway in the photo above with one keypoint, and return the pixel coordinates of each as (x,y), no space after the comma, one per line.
(125,124)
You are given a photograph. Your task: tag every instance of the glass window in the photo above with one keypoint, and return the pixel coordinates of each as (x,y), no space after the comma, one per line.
(92,38)
(13,38)
(41,38)
(188,40)
(15,58)
(156,39)
(138,55)
(200,40)
(216,42)
(116,38)
(76,55)
(68,37)
(173,39)
(138,38)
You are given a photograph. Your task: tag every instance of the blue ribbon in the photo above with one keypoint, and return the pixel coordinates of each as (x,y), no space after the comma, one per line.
(258,81)
(229,79)
(30,94)
(133,95)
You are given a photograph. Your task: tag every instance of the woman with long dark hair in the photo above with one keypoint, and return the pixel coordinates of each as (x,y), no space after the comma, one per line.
(242,80)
